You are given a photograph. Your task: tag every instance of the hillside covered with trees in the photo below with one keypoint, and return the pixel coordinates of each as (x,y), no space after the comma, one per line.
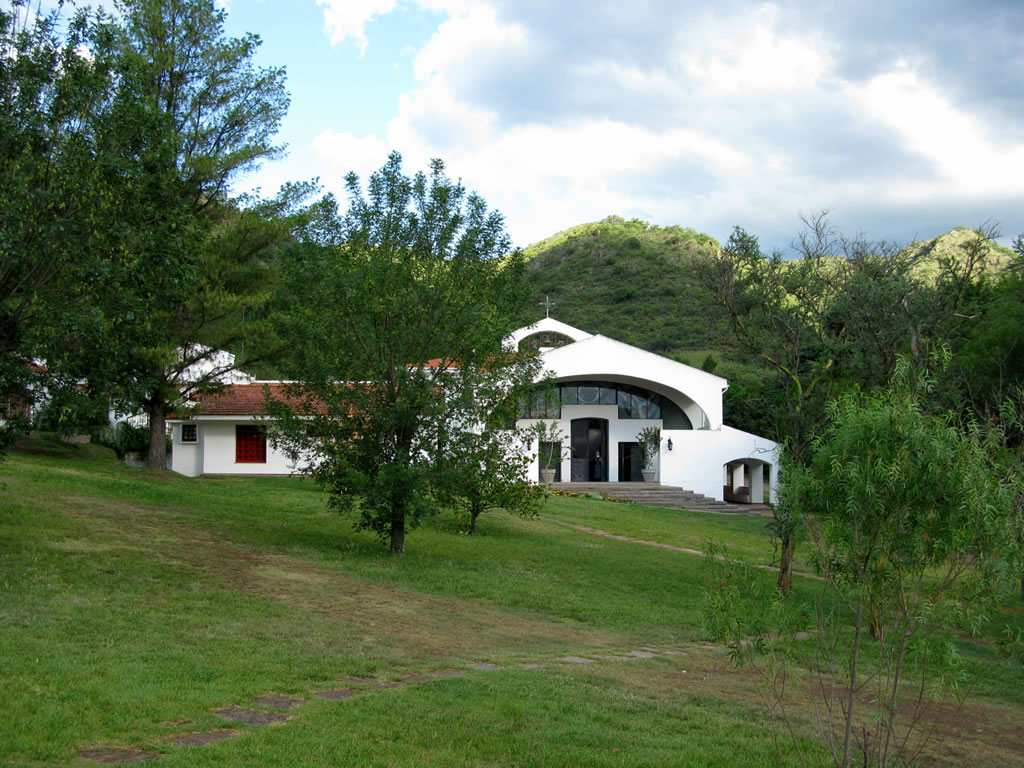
(635,282)
(628,280)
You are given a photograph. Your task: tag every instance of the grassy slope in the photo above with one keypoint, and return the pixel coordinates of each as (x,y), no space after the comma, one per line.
(133,603)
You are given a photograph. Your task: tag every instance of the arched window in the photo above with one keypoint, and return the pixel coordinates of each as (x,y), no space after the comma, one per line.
(544,340)
(633,402)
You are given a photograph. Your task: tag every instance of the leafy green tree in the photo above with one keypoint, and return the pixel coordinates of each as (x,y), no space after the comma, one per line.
(839,316)
(989,362)
(379,307)
(221,112)
(71,133)
(485,470)
(224,306)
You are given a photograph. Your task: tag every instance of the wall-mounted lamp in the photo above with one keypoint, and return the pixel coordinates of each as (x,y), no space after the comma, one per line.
(670,443)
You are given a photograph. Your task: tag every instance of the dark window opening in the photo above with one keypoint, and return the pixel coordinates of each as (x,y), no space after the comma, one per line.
(189,433)
(250,444)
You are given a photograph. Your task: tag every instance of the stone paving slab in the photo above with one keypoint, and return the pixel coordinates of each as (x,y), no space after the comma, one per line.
(199,739)
(128,756)
(336,694)
(662,651)
(276,700)
(447,672)
(116,755)
(250,716)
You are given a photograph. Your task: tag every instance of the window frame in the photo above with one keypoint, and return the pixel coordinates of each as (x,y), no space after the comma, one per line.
(193,429)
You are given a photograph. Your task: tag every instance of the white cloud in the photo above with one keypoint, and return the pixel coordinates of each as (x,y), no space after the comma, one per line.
(747,54)
(344,19)
(743,116)
(953,141)
(472,29)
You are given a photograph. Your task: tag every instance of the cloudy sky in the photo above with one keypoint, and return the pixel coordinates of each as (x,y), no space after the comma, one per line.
(903,118)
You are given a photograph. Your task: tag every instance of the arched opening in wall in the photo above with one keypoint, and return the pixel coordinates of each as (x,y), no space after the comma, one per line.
(747,481)
(544,340)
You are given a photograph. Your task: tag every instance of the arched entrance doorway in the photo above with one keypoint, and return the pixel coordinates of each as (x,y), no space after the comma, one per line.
(589,443)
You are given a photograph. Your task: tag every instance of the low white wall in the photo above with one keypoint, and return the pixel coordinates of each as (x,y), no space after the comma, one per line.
(697,457)
(219,452)
(186,458)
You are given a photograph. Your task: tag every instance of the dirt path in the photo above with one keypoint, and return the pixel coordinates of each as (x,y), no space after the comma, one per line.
(659,545)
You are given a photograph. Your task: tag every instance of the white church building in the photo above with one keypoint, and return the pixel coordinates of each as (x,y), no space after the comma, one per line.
(603,393)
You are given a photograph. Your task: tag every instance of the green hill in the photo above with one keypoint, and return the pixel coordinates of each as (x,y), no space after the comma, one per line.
(628,280)
(634,282)
(951,245)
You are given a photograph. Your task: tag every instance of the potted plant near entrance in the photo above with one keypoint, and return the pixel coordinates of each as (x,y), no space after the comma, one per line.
(549,448)
(649,443)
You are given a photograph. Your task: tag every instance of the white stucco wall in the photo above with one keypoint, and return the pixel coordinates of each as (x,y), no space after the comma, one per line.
(697,457)
(214,452)
(186,458)
(219,453)
(695,462)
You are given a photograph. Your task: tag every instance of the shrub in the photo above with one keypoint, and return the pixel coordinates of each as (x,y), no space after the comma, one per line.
(123,438)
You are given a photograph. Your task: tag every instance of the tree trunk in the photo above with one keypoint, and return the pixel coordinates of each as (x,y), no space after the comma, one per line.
(851,698)
(398,533)
(876,623)
(786,563)
(472,522)
(157,456)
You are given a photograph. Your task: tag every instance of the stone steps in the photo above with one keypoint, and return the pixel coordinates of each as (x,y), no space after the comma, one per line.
(668,496)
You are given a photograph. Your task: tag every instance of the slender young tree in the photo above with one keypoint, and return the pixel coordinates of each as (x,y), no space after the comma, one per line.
(379,306)
(776,310)
(483,462)
(913,525)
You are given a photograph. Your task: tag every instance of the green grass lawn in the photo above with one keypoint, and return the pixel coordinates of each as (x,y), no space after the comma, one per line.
(747,535)
(133,603)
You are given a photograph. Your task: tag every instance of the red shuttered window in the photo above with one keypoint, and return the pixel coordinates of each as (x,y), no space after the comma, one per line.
(250,444)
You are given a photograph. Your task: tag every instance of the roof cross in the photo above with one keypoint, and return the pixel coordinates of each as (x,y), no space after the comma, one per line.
(547,304)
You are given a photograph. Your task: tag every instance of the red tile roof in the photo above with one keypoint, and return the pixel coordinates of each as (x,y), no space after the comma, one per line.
(240,400)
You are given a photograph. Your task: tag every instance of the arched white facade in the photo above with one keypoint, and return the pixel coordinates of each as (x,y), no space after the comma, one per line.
(697,455)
